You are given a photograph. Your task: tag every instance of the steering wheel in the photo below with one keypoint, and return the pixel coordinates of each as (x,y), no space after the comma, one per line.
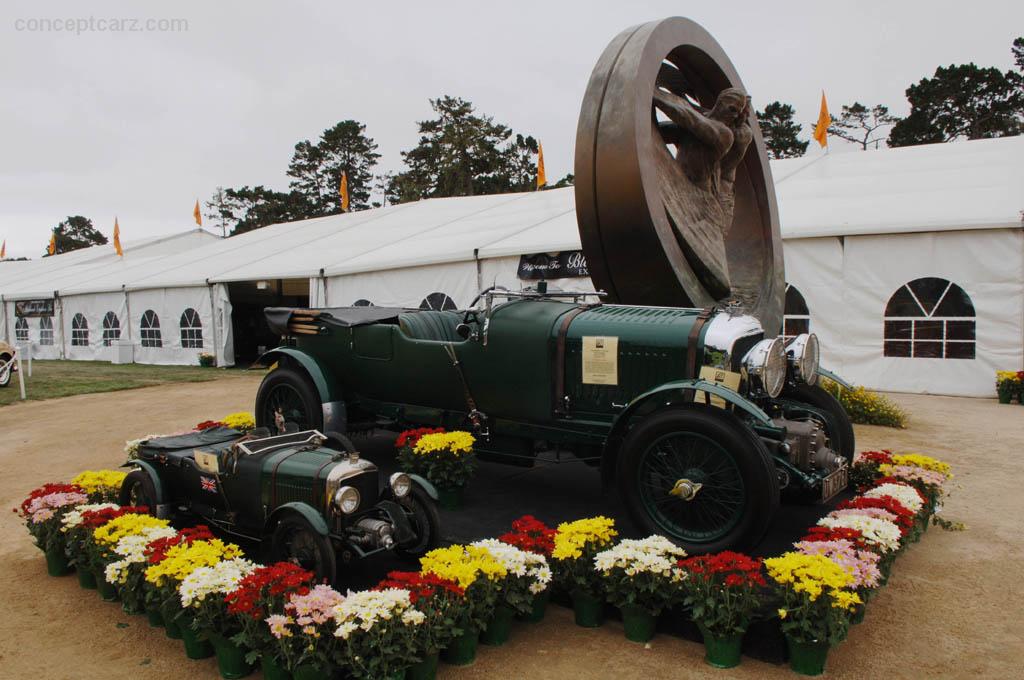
(482,293)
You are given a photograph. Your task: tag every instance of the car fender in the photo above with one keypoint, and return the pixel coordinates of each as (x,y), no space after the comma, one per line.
(305,510)
(425,485)
(670,389)
(326,386)
(834,378)
(150,470)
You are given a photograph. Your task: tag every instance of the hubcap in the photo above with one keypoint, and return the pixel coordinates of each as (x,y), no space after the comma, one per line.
(284,403)
(691,487)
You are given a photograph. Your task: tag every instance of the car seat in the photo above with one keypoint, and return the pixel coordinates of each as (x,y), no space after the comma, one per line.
(430,325)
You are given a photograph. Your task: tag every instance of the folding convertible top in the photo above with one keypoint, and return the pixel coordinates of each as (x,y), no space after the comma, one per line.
(278,318)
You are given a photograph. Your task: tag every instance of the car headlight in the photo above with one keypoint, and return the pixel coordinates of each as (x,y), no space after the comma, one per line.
(766,365)
(347,499)
(401,484)
(804,352)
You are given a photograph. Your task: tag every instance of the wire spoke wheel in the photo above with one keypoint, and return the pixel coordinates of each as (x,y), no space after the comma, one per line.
(296,541)
(284,401)
(714,509)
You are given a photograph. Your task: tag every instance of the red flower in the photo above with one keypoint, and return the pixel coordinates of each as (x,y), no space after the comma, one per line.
(207,424)
(818,534)
(731,568)
(530,534)
(46,490)
(904,516)
(1020,376)
(876,457)
(156,551)
(410,437)
(420,586)
(267,588)
(93,519)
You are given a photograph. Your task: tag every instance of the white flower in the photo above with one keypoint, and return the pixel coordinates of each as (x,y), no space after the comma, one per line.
(651,555)
(73,518)
(905,495)
(219,579)
(876,531)
(132,548)
(519,563)
(364,609)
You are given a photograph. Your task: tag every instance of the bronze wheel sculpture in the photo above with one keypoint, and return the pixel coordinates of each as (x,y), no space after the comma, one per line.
(674,195)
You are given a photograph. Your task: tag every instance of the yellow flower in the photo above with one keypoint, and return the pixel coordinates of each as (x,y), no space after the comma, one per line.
(844,599)
(240,421)
(924,462)
(126,525)
(593,533)
(782,613)
(462,564)
(808,574)
(185,558)
(456,442)
(92,481)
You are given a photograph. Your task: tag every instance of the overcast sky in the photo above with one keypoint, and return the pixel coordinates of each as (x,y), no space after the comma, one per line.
(141,124)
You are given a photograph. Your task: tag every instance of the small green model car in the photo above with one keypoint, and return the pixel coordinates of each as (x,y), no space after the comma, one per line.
(308,497)
(696,415)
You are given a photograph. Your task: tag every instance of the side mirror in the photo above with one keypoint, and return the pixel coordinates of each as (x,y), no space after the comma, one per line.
(464,331)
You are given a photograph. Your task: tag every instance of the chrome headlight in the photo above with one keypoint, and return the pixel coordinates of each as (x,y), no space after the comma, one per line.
(401,484)
(766,365)
(346,499)
(804,352)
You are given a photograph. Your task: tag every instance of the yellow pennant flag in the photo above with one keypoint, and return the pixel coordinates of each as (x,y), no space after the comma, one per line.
(117,238)
(542,178)
(343,191)
(824,120)
(198,215)
(3,250)
(52,250)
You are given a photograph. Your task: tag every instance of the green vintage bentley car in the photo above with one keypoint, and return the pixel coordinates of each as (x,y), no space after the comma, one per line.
(307,497)
(697,417)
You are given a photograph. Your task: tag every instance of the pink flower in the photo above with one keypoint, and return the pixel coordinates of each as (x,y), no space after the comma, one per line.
(865,512)
(279,625)
(863,564)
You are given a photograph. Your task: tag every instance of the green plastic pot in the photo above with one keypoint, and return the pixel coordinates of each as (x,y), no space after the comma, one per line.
(196,647)
(57,562)
(273,669)
(425,669)
(155,618)
(587,610)
(86,579)
(538,609)
(721,651)
(1004,398)
(172,623)
(106,589)
(461,651)
(450,497)
(310,671)
(499,628)
(807,658)
(131,606)
(230,657)
(640,624)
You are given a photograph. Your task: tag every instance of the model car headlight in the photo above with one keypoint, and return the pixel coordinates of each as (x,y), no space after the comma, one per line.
(766,365)
(804,352)
(401,484)
(347,499)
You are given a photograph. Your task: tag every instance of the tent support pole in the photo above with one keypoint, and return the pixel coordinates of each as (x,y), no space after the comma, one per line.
(214,316)
(479,270)
(323,286)
(59,304)
(128,313)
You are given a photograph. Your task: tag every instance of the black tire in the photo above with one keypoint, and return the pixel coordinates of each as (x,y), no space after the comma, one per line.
(293,392)
(5,374)
(339,442)
(740,493)
(138,489)
(426,523)
(839,429)
(295,540)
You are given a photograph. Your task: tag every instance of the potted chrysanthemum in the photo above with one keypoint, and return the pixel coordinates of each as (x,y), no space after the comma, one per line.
(131,528)
(528,575)
(43,511)
(817,603)
(722,593)
(127,573)
(304,636)
(572,561)
(530,534)
(102,486)
(641,578)
(861,563)
(446,459)
(376,631)
(161,608)
(74,534)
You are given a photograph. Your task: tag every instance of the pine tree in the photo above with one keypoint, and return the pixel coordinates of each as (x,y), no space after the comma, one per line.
(780,132)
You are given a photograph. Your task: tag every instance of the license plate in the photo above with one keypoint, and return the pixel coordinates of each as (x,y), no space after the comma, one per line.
(834,483)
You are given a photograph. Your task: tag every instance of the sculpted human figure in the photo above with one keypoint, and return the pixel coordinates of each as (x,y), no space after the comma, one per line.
(711,146)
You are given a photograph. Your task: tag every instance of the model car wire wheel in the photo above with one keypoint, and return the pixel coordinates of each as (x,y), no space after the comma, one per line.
(289,393)
(700,477)
(296,541)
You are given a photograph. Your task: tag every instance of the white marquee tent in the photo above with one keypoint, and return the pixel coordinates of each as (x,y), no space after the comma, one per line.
(908,263)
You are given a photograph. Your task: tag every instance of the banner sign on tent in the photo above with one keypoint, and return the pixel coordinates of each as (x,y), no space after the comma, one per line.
(564,265)
(34,308)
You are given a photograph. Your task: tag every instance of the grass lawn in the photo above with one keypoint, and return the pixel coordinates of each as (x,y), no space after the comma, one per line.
(52,379)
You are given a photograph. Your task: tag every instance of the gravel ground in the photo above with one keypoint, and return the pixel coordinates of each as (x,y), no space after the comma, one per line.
(952,607)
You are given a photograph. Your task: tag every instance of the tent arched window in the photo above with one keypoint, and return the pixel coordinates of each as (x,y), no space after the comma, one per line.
(930,318)
(45,330)
(439,302)
(79,331)
(21,329)
(796,317)
(191,329)
(150,333)
(111,329)
(362,303)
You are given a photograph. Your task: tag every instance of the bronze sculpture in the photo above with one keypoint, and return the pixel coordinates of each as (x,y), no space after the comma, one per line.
(674,197)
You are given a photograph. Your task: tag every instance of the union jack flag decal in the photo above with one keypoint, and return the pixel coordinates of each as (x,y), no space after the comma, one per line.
(208,484)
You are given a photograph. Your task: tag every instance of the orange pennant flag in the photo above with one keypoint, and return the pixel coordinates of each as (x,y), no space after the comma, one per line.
(52,250)
(542,178)
(198,215)
(343,191)
(824,121)
(3,250)
(117,239)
